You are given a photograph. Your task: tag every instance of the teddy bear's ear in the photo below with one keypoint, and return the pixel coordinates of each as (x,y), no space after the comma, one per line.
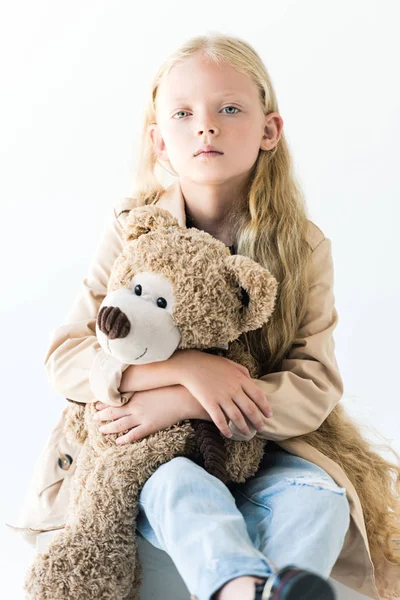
(143,219)
(257,288)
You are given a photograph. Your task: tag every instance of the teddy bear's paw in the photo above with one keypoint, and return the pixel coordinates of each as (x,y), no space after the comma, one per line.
(243,458)
(74,567)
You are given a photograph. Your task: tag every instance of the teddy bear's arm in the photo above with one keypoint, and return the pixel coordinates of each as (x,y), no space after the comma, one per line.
(75,364)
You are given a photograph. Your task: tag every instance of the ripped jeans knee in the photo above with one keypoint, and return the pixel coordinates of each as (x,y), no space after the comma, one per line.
(321,482)
(296,514)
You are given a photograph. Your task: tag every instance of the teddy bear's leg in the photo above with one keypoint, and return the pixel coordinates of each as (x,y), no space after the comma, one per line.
(95,556)
(244,458)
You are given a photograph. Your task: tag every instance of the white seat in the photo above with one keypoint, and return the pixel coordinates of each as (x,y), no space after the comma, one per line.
(161,579)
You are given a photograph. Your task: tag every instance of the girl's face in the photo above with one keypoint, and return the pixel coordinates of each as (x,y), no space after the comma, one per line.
(200,103)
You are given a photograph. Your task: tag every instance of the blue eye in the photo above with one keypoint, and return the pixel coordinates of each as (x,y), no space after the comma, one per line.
(179,111)
(184,111)
(231,107)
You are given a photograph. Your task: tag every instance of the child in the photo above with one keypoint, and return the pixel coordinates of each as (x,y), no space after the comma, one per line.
(280,534)
(205,105)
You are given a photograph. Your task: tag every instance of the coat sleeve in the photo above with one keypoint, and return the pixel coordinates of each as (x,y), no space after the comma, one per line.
(75,363)
(309,385)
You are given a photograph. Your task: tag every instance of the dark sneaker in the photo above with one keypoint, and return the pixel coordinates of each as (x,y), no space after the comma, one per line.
(292,583)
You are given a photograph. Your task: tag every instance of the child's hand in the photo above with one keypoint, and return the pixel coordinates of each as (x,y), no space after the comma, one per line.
(145,413)
(224,389)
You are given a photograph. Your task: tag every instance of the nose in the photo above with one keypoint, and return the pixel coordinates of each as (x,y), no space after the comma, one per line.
(212,130)
(113,322)
(207,117)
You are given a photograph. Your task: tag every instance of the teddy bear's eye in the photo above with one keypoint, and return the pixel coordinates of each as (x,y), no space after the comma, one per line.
(138,289)
(161,302)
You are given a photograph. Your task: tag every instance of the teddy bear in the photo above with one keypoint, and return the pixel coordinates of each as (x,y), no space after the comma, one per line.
(170,288)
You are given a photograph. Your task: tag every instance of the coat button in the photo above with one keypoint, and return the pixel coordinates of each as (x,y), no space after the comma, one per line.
(64,462)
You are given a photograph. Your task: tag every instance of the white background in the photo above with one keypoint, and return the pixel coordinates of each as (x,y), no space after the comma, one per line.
(74,76)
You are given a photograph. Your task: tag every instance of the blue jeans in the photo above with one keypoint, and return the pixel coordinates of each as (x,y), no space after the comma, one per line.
(290,512)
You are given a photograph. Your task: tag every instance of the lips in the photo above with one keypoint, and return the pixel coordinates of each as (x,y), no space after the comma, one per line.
(208,153)
(207,149)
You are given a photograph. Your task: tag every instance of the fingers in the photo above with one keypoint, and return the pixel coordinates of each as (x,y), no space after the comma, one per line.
(258,397)
(251,404)
(217,412)
(235,414)
(134,434)
(110,412)
(219,419)
(252,412)
(116,426)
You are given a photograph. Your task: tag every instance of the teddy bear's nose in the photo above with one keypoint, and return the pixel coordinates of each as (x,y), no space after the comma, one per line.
(113,322)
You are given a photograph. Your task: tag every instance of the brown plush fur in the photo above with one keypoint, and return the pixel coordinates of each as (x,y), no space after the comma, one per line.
(96,555)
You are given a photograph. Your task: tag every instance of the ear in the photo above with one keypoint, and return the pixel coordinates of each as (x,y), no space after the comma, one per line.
(258,289)
(143,219)
(158,142)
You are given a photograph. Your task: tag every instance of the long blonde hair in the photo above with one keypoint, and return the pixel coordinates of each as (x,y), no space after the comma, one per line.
(276,243)
(271,228)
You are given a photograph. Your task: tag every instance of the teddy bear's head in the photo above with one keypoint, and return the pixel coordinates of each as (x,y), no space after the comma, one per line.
(173,287)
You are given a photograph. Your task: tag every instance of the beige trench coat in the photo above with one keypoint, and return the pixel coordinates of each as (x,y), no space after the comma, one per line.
(301,396)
